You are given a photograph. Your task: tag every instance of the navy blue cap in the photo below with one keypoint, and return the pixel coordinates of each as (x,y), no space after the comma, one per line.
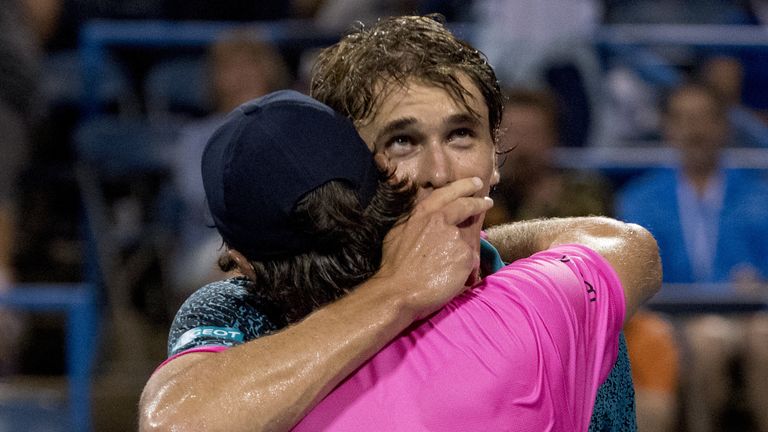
(269,153)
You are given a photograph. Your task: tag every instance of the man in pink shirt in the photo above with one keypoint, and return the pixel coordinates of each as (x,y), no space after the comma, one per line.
(524,350)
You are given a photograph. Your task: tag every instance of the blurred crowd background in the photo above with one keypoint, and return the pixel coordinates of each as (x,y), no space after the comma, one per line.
(651,111)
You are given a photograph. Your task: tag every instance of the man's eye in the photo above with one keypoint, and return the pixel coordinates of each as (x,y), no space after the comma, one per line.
(400,146)
(400,140)
(462,133)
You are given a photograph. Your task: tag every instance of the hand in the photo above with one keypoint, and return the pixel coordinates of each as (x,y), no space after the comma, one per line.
(425,256)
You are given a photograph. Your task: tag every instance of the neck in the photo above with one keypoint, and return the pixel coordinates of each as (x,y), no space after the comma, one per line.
(700,180)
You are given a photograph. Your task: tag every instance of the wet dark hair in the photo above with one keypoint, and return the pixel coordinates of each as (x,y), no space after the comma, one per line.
(355,73)
(347,250)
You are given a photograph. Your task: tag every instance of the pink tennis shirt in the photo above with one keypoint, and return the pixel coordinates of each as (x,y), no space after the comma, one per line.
(524,350)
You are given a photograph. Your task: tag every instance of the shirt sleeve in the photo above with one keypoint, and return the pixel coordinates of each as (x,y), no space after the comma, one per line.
(588,293)
(570,302)
(221,314)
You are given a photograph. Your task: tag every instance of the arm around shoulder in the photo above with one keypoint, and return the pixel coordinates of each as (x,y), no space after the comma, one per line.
(629,248)
(632,252)
(269,383)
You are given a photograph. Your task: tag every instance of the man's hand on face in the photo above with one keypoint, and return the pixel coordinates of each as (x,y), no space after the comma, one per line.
(426,255)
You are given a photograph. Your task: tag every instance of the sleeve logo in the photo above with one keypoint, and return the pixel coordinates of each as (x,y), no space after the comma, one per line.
(224,335)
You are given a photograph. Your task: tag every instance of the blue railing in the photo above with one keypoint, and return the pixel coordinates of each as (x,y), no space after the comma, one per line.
(78,303)
(709,298)
(716,36)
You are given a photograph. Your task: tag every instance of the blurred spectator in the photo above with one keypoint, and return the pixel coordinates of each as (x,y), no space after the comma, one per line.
(532,186)
(705,219)
(633,113)
(654,353)
(241,67)
(548,44)
(725,74)
(43,16)
(754,60)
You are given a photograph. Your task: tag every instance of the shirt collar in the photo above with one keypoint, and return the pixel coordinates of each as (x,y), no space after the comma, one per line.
(490,259)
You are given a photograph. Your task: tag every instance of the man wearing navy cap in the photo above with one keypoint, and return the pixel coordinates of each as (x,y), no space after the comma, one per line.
(436,128)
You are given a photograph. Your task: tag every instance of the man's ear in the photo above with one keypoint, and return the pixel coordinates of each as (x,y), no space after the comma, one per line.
(496,176)
(243,265)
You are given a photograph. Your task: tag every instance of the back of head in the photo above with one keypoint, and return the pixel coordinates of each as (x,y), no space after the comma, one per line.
(293,188)
(708,97)
(351,76)
(725,74)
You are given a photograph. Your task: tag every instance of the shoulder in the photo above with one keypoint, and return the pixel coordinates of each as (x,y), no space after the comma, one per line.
(224,297)
(566,274)
(225,312)
(574,256)
(567,299)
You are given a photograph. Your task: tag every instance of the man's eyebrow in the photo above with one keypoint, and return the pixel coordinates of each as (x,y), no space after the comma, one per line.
(462,118)
(394,126)
(402,123)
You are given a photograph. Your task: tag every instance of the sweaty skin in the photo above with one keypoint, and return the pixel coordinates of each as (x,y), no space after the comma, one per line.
(434,140)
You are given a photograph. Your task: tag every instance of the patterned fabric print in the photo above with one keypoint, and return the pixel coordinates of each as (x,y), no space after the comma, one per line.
(614,409)
(221,313)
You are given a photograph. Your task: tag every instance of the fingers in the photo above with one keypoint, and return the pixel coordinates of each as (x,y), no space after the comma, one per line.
(456,202)
(463,208)
(441,197)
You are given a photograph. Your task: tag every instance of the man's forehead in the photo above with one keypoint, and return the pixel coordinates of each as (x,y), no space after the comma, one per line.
(389,93)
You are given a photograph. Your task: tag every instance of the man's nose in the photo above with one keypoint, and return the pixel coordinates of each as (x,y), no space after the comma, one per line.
(437,168)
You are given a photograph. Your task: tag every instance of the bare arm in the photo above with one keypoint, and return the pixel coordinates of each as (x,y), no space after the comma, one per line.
(630,249)
(271,382)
